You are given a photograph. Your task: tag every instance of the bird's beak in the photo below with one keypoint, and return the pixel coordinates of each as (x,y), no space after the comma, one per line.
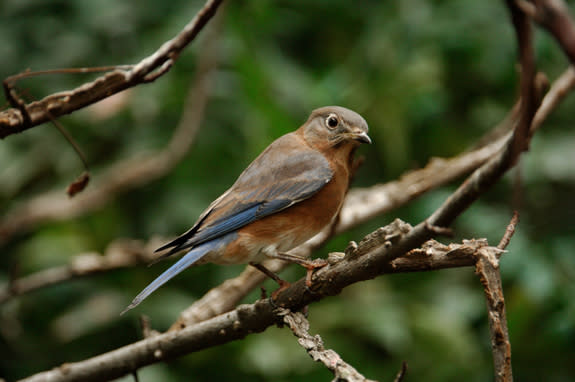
(362,137)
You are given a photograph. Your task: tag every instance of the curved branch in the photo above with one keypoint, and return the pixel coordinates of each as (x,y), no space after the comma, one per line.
(150,68)
(554,16)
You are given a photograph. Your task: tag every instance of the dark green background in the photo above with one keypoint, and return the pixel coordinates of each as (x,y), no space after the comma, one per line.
(430,77)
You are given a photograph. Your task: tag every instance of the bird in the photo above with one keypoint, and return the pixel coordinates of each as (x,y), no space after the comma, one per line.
(288,194)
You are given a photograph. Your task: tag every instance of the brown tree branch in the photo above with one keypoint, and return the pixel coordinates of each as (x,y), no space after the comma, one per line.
(150,68)
(562,86)
(487,267)
(313,345)
(128,173)
(402,372)
(554,16)
(529,99)
(509,231)
(254,318)
(119,254)
(488,263)
(358,264)
(485,176)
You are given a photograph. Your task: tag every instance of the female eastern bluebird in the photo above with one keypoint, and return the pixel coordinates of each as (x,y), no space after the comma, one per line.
(289,193)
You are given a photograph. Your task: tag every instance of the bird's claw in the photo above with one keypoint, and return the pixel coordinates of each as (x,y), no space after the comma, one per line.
(311,266)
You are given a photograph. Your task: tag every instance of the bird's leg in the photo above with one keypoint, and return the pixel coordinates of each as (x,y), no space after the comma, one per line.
(310,265)
(282,283)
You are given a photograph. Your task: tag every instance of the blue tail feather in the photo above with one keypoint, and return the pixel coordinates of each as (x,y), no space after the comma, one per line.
(187,260)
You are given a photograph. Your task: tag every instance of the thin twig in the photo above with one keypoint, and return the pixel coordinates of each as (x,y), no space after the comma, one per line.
(529,101)
(80,183)
(25,116)
(487,268)
(119,254)
(509,231)
(27,74)
(561,87)
(128,173)
(313,345)
(72,143)
(146,327)
(401,373)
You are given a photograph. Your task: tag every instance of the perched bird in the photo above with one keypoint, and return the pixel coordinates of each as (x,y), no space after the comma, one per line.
(289,193)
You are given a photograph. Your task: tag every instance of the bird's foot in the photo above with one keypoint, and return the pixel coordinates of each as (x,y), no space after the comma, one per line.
(311,266)
(283,286)
(282,283)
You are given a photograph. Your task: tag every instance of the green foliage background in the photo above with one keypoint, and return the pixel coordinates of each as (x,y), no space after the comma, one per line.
(430,77)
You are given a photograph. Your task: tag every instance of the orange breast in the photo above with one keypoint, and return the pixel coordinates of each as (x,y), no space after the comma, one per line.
(293,226)
(290,227)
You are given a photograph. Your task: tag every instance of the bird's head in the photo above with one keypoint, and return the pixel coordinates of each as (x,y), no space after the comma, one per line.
(335,126)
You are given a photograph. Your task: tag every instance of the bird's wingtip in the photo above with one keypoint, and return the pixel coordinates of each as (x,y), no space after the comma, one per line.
(163,247)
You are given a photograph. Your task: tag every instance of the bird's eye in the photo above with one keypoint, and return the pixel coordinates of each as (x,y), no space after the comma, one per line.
(332,121)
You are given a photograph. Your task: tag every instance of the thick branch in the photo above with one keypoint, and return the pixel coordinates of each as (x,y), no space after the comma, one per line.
(247,319)
(53,106)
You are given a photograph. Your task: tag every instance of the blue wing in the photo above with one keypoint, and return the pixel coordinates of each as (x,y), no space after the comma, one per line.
(275,180)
